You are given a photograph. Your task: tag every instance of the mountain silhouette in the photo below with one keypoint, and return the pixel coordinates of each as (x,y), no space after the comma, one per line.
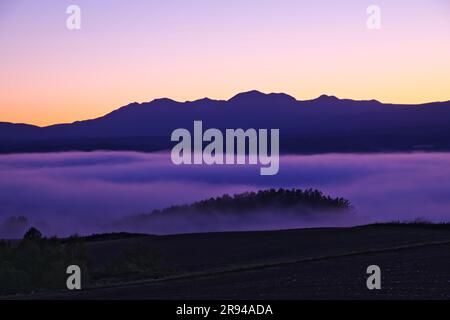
(324,124)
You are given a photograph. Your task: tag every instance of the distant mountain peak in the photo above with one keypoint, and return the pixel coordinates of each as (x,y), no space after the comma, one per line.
(258,96)
(206,99)
(203,101)
(325,97)
(164,101)
(252,94)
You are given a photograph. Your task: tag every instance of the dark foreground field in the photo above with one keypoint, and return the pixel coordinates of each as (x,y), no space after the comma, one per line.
(294,264)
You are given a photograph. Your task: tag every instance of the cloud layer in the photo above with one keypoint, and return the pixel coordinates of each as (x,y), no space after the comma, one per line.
(81,192)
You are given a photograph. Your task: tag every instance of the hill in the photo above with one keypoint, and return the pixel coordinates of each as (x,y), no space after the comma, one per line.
(325,263)
(262,210)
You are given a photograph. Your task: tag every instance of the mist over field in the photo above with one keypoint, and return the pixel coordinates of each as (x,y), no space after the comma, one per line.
(78,192)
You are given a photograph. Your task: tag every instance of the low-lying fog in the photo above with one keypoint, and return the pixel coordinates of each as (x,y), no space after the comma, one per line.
(77,192)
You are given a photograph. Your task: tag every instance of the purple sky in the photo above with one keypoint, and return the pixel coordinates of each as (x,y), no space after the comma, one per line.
(139,50)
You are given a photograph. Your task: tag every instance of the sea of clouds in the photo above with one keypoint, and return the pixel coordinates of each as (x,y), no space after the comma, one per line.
(84,192)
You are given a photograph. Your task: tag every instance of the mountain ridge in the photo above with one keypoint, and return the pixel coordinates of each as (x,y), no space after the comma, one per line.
(323,124)
(166,100)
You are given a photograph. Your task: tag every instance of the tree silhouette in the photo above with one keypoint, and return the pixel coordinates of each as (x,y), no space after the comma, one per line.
(263,199)
(33,234)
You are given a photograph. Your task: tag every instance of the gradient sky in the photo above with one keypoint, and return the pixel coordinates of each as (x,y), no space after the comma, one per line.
(136,50)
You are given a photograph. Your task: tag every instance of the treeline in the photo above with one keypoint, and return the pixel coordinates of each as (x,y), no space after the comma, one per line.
(37,263)
(264,199)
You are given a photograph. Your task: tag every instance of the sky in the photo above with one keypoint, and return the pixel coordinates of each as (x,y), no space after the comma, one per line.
(138,50)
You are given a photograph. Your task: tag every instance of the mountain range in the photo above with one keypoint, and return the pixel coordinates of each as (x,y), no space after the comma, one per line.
(324,124)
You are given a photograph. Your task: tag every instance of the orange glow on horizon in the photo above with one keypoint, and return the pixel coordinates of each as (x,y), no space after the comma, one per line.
(147,50)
